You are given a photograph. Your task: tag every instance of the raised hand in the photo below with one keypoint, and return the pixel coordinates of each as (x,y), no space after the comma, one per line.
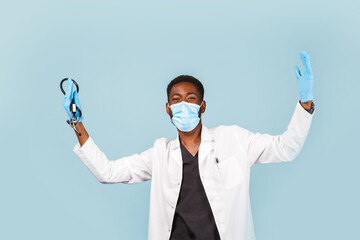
(71,97)
(305,80)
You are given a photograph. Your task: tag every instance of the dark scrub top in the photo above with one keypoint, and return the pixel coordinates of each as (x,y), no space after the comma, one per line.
(193,217)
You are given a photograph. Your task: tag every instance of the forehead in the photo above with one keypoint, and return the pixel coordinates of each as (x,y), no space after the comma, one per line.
(183,87)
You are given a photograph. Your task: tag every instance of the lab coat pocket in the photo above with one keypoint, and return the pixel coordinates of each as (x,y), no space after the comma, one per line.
(230,172)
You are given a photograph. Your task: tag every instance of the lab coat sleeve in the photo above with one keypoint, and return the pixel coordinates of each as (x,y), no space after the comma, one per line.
(132,169)
(265,148)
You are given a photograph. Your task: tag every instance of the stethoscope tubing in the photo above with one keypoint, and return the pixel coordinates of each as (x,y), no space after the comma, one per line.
(65,79)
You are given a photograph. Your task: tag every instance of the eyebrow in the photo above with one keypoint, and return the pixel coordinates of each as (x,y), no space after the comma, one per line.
(189,93)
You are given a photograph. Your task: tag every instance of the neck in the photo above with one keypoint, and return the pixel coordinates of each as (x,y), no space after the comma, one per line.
(192,137)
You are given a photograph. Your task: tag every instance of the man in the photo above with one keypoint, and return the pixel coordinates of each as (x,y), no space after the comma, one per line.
(200,180)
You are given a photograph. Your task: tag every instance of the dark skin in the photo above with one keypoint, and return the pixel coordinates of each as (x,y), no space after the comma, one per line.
(183,91)
(84,135)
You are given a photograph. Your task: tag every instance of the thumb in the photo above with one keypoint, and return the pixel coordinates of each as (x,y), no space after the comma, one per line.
(297,72)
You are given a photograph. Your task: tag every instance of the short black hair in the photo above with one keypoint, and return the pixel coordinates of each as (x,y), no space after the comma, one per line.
(186,78)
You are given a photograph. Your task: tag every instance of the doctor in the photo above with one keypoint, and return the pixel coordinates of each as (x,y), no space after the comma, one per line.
(200,180)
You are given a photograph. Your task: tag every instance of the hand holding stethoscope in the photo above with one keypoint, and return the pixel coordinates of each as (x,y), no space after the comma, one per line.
(71,103)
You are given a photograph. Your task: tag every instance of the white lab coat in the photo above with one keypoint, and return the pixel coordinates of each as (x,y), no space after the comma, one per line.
(225,156)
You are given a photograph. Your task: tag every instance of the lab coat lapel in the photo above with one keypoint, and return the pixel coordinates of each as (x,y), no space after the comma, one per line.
(175,152)
(206,145)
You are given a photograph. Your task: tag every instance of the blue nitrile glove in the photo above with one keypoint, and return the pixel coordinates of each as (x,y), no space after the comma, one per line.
(77,102)
(306,80)
(69,96)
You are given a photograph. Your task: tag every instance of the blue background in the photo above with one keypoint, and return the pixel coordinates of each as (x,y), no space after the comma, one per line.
(123,54)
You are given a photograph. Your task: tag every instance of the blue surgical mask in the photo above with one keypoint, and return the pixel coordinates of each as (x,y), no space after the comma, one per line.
(185,115)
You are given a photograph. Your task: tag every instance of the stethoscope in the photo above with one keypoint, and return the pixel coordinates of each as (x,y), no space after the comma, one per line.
(73,108)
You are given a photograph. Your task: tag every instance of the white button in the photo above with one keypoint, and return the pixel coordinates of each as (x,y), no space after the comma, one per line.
(169,230)
(178,183)
(172,206)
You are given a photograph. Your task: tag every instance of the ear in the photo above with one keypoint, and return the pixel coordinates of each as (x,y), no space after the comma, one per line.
(203,107)
(168,110)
